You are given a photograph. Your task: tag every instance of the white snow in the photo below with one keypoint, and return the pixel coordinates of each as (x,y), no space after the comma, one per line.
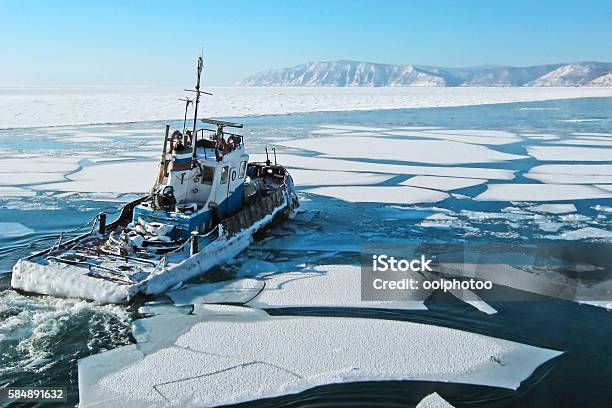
(433,400)
(566,153)
(325,286)
(553,208)
(215,360)
(442,183)
(419,151)
(14,229)
(396,195)
(541,192)
(21,106)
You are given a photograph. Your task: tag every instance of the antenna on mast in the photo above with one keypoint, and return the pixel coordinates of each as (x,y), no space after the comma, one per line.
(187,103)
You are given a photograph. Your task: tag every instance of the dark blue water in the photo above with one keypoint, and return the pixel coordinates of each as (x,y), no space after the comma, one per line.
(42,338)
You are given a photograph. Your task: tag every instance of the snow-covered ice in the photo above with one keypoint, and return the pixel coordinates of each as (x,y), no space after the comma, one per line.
(15,192)
(71,106)
(14,229)
(308,178)
(583,233)
(203,360)
(384,194)
(237,291)
(406,150)
(325,286)
(433,400)
(484,137)
(120,178)
(553,208)
(571,173)
(442,183)
(567,153)
(541,192)
(328,164)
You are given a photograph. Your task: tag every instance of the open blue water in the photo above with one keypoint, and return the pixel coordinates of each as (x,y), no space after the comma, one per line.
(42,338)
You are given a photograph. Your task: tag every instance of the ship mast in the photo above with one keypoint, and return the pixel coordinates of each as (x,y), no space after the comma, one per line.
(197,91)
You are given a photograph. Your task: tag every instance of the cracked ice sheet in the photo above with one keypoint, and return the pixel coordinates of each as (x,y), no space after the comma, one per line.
(571,173)
(566,153)
(119,178)
(326,286)
(15,192)
(236,291)
(383,194)
(541,192)
(491,137)
(418,151)
(215,360)
(320,163)
(307,178)
(442,183)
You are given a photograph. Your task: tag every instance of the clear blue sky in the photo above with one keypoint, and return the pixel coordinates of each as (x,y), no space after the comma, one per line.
(48,43)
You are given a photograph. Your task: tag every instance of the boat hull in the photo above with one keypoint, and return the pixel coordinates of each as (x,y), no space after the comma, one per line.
(35,275)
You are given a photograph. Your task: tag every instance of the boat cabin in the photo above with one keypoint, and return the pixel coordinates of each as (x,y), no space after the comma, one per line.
(201,180)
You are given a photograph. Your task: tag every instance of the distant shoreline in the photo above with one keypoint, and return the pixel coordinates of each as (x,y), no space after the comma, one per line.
(41,107)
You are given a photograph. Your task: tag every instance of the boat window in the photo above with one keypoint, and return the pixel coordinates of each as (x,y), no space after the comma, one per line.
(207,174)
(242,167)
(224,173)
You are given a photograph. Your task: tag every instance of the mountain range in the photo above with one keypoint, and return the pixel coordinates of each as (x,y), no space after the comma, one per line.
(367,74)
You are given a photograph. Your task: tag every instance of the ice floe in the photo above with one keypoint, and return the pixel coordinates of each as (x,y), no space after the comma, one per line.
(237,291)
(566,153)
(320,163)
(442,183)
(308,178)
(383,194)
(541,192)
(583,233)
(212,360)
(15,192)
(490,137)
(433,400)
(553,208)
(120,177)
(14,229)
(418,151)
(571,173)
(325,286)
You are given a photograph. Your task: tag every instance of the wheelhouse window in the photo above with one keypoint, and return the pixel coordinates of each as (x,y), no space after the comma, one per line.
(242,168)
(224,173)
(207,174)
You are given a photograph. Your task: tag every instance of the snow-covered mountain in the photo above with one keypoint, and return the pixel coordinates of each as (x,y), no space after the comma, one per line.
(353,73)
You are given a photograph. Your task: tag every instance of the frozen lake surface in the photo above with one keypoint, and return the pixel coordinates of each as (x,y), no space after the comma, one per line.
(496,174)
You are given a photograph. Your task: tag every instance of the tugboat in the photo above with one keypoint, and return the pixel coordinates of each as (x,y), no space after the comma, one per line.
(205,206)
